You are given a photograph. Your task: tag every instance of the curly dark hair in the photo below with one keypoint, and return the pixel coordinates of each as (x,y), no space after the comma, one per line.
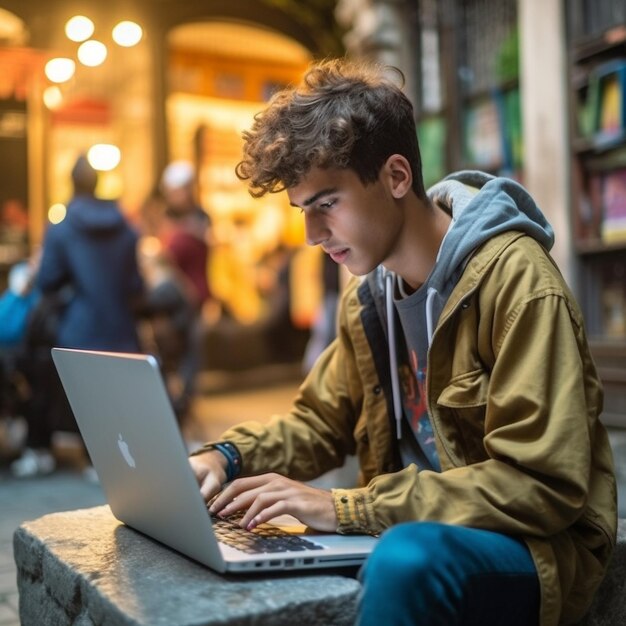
(343,114)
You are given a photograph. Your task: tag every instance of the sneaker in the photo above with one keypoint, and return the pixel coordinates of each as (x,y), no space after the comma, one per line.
(90,475)
(33,463)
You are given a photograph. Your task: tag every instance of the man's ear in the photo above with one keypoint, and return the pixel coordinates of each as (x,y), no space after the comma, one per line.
(398,174)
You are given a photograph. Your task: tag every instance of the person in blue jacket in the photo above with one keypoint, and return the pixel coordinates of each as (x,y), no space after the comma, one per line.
(89,260)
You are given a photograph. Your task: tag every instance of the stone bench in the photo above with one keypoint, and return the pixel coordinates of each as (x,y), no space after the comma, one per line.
(84,568)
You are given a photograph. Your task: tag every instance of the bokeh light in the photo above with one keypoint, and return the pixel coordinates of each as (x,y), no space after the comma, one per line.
(127,34)
(52,97)
(60,70)
(79,28)
(57,213)
(104,156)
(92,53)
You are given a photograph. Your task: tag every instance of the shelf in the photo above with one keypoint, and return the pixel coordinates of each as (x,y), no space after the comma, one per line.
(609,348)
(613,420)
(597,246)
(607,45)
(599,162)
(599,144)
(613,374)
(479,94)
(597,87)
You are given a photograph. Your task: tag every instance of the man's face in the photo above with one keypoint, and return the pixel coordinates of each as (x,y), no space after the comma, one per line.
(180,198)
(358,225)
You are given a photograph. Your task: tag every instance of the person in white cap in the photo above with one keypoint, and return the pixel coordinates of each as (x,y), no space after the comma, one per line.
(185,241)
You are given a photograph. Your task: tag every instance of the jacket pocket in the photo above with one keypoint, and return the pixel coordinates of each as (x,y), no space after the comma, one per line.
(462,404)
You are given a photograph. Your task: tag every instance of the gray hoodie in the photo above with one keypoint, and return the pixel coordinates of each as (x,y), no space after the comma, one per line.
(481,206)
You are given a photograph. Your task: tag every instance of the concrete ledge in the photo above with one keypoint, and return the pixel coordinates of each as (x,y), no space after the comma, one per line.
(83,568)
(609,605)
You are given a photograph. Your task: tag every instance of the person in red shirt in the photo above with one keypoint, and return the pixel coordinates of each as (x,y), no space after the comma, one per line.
(185,239)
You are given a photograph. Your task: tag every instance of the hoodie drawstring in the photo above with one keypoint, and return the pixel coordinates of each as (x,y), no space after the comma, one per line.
(393,361)
(432,292)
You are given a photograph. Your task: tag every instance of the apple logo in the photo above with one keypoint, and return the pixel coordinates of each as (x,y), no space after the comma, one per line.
(123,446)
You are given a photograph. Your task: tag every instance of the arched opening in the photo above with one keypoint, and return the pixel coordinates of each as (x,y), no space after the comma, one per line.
(220,73)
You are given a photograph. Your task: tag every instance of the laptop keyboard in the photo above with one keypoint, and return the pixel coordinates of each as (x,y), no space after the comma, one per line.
(262,539)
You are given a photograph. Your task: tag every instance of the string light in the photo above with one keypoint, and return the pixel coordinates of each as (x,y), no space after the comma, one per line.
(92,53)
(79,28)
(127,34)
(60,70)
(104,156)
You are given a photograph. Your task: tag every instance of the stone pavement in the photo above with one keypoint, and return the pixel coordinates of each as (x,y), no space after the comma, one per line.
(29,499)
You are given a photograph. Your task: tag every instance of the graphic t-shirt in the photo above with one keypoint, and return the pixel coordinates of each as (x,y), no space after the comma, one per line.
(418,442)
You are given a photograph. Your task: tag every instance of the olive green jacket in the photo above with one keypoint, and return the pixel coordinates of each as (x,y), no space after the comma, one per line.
(514,399)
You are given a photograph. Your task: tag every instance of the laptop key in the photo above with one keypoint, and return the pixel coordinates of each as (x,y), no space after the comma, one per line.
(262,539)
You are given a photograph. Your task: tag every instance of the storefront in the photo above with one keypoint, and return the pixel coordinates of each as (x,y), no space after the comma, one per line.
(184,88)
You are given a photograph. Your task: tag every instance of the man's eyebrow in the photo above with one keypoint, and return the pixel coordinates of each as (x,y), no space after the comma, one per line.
(317,196)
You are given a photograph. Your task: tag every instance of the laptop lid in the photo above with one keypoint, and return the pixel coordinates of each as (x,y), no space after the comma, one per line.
(124,414)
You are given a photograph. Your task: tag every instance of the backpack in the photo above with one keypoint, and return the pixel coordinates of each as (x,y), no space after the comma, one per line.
(15,311)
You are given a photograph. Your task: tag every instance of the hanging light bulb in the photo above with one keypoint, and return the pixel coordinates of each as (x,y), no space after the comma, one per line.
(104,156)
(59,70)
(79,28)
(92,53)
(127,34)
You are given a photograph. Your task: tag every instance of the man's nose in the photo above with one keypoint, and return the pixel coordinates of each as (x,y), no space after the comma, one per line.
(315,228)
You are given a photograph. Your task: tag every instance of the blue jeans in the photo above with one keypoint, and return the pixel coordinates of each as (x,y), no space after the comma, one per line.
(430,574)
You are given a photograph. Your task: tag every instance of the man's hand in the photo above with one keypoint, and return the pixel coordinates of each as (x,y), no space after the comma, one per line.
(210,471)
(269,495)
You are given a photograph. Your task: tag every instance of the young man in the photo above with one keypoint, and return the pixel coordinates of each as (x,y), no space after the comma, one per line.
(460,376)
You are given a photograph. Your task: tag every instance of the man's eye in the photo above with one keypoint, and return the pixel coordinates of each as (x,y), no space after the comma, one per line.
(329,204)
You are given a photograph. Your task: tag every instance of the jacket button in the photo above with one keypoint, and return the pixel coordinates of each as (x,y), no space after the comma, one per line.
(377,389)
(344,499)
(465,304)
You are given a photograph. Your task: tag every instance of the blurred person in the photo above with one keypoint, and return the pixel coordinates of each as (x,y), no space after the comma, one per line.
(89,278)
(13,222)
(324,328)
(461,376)
(170,315)
(16,303)
(284,341)
(185,236)
(16,306)
(186,228)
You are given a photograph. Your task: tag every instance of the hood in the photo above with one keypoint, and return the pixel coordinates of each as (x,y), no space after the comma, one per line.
(482,206)
(90,214)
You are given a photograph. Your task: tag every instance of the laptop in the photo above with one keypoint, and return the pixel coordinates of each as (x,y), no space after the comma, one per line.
(126,419)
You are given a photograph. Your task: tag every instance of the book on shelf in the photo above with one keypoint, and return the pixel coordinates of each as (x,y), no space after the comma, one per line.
(614,309)
(603,115)
(614,207)
(589,217)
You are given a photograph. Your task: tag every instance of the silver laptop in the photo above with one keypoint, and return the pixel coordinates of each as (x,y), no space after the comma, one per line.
(125,417)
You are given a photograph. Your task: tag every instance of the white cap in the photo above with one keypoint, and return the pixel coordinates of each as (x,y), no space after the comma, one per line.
(178,174)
